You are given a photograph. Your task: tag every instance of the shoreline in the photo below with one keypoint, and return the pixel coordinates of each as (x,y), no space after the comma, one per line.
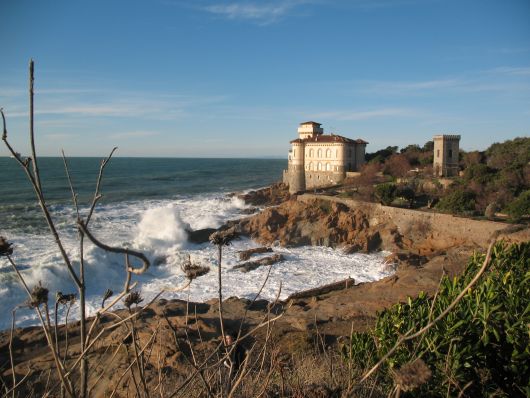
(298,321)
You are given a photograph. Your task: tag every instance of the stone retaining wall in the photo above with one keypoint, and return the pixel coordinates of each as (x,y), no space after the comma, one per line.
(438,224)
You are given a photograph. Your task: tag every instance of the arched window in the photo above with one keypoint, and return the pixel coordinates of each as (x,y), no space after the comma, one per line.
(319,153)
(328,153)
(319,166)
(336,153)
(310,153)
(310,165)
(328,167)
(294,152)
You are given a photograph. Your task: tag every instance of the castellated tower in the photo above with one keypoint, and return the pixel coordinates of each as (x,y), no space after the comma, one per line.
(446,150)
(321,160)
(296,179)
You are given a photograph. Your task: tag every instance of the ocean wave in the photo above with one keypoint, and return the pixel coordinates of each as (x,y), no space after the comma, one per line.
(158,228)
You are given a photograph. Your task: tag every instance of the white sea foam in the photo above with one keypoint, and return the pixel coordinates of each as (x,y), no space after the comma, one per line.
(158,227)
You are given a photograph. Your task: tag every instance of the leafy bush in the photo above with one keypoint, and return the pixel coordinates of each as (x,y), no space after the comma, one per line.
(514,152)
(482,345)
(386,193)
(458,201)
(519,207)
(479,173)
(407,193)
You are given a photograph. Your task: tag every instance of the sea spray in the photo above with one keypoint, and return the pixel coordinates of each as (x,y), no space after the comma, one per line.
(161,229)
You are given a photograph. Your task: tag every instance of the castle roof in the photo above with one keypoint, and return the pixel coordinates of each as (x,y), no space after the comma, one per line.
(312,123)
(329,138)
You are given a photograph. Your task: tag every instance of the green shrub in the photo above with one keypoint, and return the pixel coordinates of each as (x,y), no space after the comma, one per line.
(519,207)
(407,193)
(480,173)
(483,344)
(386,193)
(458,201)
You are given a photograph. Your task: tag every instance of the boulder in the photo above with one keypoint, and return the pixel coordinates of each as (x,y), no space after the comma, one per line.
(252,265)
(200,235)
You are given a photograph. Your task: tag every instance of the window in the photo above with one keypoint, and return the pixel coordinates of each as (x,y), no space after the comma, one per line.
(319,166)
(328,153)
(319,153)
(450,153)
(310,153)
(328,167)
(437,153)
(294,152)
(310,165)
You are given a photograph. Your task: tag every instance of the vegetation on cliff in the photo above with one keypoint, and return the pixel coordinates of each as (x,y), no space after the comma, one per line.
(480,348)
(493,181)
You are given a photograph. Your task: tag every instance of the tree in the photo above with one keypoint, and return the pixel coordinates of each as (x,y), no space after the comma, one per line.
(459,201)
(397,166)
(428,146)
(381,155)
(520,207)
(385,193)
(514,152)
(407,193)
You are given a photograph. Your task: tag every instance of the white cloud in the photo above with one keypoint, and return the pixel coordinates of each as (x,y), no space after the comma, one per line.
(263,13)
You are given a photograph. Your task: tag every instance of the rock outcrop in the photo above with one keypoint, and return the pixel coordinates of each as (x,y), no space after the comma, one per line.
(295,223)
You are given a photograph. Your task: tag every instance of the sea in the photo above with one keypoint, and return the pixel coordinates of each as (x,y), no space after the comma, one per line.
(147,204)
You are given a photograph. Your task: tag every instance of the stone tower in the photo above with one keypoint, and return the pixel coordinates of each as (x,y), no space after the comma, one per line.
(446,149)
(296,170)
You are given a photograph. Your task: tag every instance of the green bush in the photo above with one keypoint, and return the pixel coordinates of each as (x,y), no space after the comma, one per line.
(479,173)
(483,344)
(407,193)
(458,201)
(386,193)
(519,207)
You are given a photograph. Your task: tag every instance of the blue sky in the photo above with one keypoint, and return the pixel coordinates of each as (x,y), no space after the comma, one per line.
(234,78)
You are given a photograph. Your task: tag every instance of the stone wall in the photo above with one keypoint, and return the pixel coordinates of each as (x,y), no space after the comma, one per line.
(444,226)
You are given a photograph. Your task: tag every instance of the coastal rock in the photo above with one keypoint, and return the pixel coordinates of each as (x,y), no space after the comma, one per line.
(246,254)
(320,223)
(252,265)
(200,235)
(270,196)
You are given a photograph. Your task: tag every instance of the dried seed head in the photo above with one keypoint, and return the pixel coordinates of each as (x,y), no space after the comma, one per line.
(223,238)
(412,375)
(108,293)
(193,271)
(65,298)
(132,298)
(5,247)
(39,295)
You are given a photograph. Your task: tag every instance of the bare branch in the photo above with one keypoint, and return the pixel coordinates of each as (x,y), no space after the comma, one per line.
(97,193)
(110,249)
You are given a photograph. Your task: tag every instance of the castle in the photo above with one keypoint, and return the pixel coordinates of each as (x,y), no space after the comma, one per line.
(317,159)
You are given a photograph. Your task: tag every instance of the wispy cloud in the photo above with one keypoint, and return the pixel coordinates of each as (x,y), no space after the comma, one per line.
(107,103)
(513,70)
(60,137)
(502,79)
(263,13)
(133,134)
(352,115)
